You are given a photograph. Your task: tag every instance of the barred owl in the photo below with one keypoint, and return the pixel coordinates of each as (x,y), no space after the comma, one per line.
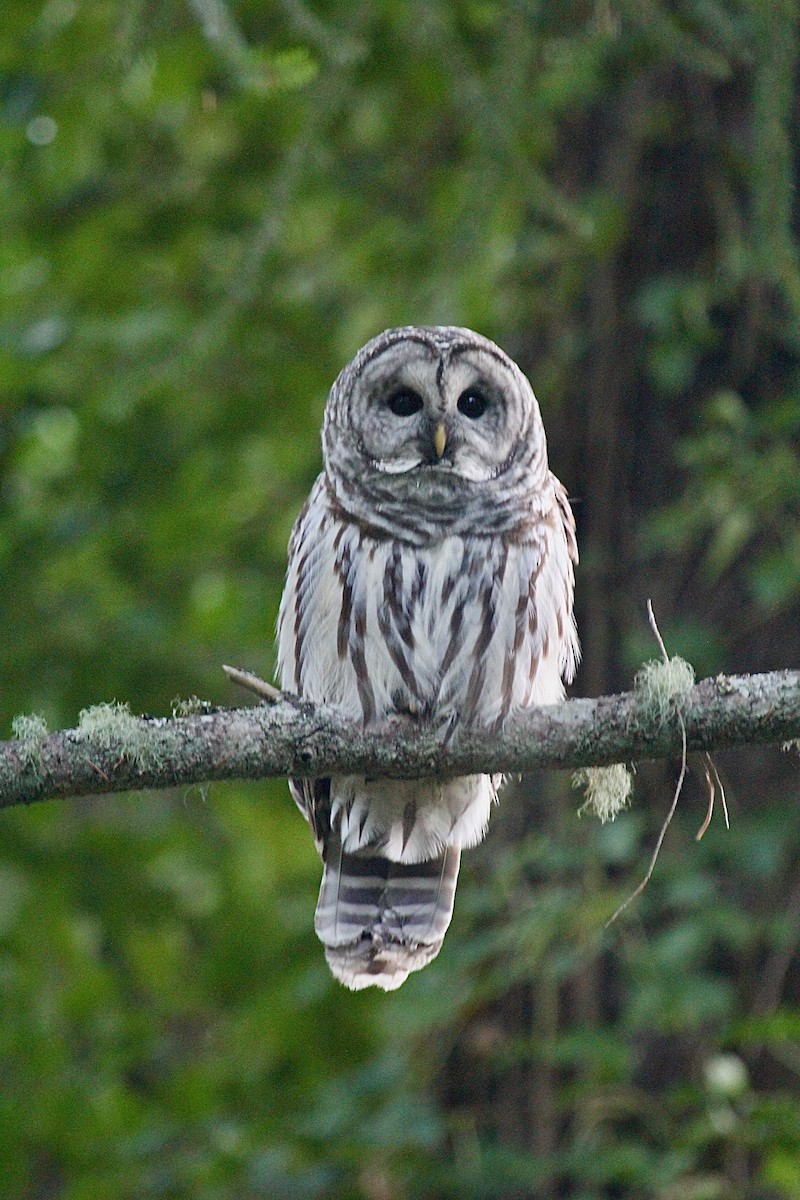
(430,575)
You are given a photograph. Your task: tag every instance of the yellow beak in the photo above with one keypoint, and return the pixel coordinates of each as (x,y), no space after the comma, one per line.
(439,440)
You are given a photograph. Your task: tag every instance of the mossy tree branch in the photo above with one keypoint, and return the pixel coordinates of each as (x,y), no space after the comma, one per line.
(113,751)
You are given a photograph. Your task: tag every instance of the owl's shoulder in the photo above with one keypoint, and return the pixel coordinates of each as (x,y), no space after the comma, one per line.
(311,515)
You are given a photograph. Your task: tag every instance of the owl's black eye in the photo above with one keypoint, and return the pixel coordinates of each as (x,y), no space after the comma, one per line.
(405,403)
(472,404)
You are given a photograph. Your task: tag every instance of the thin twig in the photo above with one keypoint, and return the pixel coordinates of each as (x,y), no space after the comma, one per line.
(712,791)
(712,774)
(637,891)
(714,783)
(653,625)
(718,782)
(252,683)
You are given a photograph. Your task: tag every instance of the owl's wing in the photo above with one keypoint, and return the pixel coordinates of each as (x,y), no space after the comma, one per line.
(563,570)
(307,624)
(517,595)
(312,796)
(302,573)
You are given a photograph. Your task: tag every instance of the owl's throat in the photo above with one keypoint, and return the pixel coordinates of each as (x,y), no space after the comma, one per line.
(425,505)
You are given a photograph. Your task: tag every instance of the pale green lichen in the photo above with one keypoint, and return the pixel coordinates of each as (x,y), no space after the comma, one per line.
(114,727)
(607,789)
(30,730)
(192,706)
(660,688)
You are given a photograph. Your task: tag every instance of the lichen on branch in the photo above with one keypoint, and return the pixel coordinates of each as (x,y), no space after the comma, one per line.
(114,751)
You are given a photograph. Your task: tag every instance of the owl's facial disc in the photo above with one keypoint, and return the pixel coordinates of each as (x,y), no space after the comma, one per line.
(460,414)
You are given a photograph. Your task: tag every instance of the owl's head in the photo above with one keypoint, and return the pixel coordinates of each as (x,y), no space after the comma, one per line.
(435,419)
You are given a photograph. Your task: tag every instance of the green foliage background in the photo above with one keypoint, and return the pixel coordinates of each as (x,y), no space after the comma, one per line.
(205,210)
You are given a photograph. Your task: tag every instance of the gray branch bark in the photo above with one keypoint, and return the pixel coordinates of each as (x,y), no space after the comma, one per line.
(118,752)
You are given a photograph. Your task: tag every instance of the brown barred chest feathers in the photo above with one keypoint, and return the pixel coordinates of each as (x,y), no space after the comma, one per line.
(457,631)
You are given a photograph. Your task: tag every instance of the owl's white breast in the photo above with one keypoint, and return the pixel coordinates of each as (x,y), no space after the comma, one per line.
(468,628)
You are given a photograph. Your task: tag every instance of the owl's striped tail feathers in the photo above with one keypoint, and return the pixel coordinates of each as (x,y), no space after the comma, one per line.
(379,920)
